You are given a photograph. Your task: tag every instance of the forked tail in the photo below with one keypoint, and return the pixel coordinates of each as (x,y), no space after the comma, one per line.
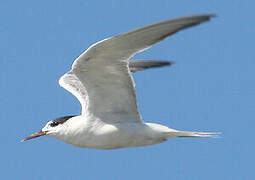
(194,134)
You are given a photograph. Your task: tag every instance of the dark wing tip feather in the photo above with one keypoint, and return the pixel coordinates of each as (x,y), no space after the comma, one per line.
(139,65)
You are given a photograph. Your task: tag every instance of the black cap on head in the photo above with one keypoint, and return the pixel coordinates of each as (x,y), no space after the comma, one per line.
(60,120)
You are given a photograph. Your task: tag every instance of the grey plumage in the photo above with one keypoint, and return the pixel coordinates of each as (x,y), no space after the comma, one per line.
(139,65)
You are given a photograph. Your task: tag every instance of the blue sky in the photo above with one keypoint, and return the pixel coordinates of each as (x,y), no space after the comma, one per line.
(210,88)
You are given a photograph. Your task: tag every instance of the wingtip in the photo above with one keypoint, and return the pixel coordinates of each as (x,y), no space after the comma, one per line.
(168,63)
(165,62)
(213,15)
(171,63)
(205,17)
(210,16)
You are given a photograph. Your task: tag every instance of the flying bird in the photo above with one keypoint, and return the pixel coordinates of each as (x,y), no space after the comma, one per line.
(100,78)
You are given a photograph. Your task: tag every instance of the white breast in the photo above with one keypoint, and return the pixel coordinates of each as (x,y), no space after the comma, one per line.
(109,136)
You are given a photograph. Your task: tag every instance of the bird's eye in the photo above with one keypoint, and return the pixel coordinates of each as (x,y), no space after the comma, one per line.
(53,124)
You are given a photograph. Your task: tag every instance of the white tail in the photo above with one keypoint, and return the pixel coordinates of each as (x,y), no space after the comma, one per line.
(194,134)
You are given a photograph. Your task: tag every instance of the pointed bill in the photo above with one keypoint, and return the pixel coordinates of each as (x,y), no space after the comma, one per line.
(35,135)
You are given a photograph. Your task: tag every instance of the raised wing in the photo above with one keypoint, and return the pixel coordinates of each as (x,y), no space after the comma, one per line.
(100,77)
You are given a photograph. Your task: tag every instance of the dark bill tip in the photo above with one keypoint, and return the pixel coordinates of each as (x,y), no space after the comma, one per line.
(35,135)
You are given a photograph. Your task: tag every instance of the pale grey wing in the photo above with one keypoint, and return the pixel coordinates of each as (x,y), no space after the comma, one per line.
(104,73)
(71,83)
(140,65)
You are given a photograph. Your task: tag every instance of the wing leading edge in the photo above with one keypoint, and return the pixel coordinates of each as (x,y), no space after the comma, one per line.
(100,77)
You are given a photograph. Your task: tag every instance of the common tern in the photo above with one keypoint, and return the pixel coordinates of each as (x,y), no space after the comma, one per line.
(101,80)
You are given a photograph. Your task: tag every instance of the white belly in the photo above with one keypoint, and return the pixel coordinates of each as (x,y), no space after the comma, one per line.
(117,136)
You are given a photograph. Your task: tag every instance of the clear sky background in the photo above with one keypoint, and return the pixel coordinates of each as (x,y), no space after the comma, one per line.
(210,88)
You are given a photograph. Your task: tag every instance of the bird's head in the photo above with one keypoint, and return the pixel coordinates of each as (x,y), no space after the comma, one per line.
(52,128)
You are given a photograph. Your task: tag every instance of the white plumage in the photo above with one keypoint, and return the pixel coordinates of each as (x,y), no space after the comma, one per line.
(100,79)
